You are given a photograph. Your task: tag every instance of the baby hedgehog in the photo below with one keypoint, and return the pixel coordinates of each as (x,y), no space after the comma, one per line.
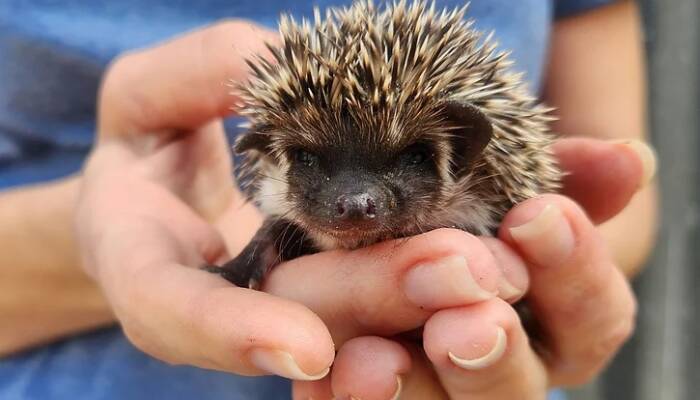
(372,124)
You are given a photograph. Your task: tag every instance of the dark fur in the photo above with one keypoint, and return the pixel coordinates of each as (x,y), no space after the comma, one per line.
(276,241)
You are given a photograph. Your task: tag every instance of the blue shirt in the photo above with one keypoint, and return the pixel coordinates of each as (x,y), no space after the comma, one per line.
(52,55)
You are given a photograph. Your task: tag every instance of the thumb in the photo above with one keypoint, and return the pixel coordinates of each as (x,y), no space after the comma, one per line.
(180,84)
(603,176)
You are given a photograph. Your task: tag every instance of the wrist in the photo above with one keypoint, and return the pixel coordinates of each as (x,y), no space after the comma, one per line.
(44,294)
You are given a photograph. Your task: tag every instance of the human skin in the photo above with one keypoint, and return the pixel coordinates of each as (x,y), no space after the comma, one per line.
(168,241)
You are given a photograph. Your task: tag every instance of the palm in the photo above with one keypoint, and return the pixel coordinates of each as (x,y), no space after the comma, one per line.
(197,168)
(157,193)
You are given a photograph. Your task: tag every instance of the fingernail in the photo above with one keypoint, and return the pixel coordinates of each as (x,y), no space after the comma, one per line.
(445,281)
(281,363)
(514,278)
(399,386)
(485,361)
(394,397)
(648,156)
(547,239)
(508,292)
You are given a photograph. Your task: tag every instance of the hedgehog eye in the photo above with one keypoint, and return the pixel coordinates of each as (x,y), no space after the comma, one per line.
(416,154)
(305,158)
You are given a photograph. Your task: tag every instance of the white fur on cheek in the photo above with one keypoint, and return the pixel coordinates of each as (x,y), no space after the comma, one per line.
(272,193)
(324,242)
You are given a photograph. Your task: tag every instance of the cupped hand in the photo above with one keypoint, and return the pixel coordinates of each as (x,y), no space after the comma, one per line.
(580,298)
(161,174)
(157,194)
(160,171)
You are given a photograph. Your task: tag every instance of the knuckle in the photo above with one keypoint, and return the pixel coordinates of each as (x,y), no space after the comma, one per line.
(449,234)
(456,241)
(120,70)
(619,332)
(214,34)
(140,339)
(579,378)
(121,95)
(136,337)
(372,303)
(598,302)
(610,342)
(224,34)
(595,285)
(133,316)
(228,27)
(575,371)
(577,299)
(372,308)
(589,360)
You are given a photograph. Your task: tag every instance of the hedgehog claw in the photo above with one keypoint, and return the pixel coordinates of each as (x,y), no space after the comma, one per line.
(254,284)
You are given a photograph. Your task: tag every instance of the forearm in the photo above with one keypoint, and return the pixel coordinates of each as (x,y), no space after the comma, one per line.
(596,80)
(44,293)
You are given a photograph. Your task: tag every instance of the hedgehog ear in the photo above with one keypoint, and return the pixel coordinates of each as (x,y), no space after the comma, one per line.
(472,132)
(254,139)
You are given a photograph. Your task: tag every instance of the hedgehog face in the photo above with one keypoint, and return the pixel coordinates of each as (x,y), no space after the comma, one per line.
(356,196)
(355,178)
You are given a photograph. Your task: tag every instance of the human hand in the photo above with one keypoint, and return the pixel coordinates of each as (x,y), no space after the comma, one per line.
(161,166)
(578,295)
(162,169)
(179,314)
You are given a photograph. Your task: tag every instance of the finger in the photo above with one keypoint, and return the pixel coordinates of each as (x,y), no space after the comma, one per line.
(481,352)
(355,291)
(180,84)
(603,176)
(515,281)
(313,390)
(582,300)
(370,368)
(183,315)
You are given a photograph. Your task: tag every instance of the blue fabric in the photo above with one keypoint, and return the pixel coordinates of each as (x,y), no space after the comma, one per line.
(565,8)
(52,55)
(105,366)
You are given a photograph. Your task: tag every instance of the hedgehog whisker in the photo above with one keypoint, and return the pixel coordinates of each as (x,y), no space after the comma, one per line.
(262,175)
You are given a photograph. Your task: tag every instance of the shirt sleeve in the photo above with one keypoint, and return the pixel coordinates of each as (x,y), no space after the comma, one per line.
(565,8)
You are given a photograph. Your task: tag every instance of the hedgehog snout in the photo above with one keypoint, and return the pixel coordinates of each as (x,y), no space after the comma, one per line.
(356,207)
(356,201)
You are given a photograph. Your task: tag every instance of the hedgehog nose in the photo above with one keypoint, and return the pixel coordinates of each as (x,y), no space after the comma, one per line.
(356,207)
